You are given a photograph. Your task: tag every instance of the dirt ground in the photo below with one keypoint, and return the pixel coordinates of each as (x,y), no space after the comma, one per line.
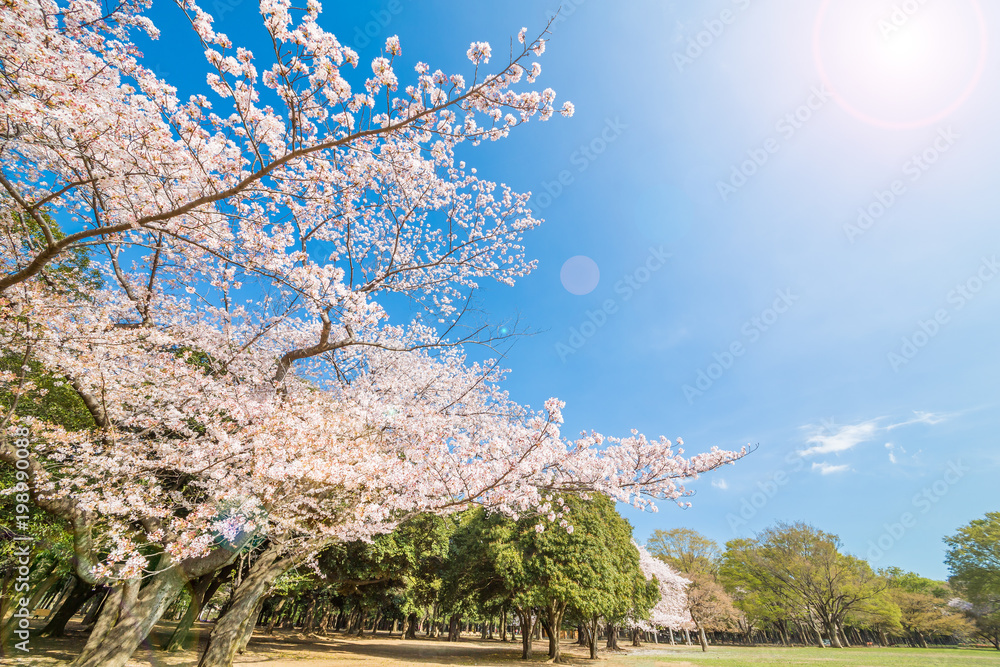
(286,649)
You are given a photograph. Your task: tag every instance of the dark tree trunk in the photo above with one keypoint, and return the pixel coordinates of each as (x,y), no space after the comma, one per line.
(455,628)
(411,626)
(276,615)
(612,643)
(56,627)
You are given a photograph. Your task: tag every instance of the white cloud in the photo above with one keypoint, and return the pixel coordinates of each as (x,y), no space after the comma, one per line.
(921,418)
(843,439)
(829,469)
(720,483)
(893,448)
(831,439)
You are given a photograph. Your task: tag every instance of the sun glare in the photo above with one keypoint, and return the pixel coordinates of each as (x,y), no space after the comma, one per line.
(900,64)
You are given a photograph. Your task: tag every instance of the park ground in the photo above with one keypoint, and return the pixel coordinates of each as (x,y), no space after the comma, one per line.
(291,649)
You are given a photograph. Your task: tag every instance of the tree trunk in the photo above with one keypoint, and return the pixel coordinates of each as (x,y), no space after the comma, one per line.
(527,628)
(411,627)
(455,628)
(127,619)
(590,630)
(702,639)
(248,630)
(81,592)
(843,635)
(94,606)
(503,625)
(556,612)
(831,631)
(671,631)
(197,589)
(612,643)
(231,626)
(276,614)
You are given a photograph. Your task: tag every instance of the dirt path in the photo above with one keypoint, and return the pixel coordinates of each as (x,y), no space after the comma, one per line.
(288,649)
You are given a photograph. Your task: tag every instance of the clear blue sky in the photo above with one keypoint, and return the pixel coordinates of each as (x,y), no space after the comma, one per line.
(836,106)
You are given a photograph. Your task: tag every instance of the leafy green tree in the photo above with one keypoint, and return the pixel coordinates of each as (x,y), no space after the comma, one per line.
(805,567)
(973,558)
(686,550)
(759,604)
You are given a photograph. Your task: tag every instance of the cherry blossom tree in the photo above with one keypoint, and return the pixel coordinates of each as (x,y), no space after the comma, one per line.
(672,609)
(237,354)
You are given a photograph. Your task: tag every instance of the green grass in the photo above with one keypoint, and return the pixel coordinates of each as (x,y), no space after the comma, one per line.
(724,656)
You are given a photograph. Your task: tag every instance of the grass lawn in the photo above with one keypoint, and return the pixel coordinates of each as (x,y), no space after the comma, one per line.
(815,657)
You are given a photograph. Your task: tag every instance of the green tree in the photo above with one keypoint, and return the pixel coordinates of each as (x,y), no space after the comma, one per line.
(685,550)
(973,558)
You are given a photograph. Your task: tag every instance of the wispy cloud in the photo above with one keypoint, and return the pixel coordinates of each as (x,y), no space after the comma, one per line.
(831,439)
(921,418)
(841,440)
(825,468)
(720,483)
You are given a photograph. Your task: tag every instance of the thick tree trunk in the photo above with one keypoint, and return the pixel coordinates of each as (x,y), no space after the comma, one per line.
(556,612)
(248,630)
(671,631)
(527,627)
(411,626)
(197,588)
(231,627)
(612,643)
(455,628)
(831,631)
(126,621)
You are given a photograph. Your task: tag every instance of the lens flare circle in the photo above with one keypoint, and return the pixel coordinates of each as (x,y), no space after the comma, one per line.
(580,275)
(871,119)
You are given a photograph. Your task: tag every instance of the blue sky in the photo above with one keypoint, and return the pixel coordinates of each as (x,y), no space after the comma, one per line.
(741,138)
